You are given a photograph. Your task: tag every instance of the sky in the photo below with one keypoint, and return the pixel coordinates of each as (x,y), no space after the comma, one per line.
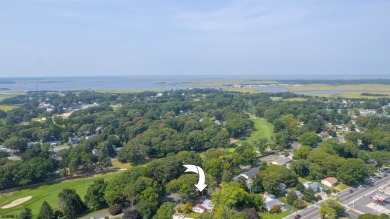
(194,37)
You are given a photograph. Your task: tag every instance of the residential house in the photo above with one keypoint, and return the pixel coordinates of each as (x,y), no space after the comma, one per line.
(315,186)
(268,196)
(268,205)
(247,174)
(96,152)
(205,206)
(341,138)
(282,161)
(74,140)
(298,193)
(32,144)
(323,134)
(343,127)
(282,186)
(54,143)
(295,145)
(329,181)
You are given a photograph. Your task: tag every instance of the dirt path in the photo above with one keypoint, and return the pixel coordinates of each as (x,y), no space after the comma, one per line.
(16,202)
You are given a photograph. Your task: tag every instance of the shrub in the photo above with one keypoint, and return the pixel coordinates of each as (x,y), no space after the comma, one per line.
(115,209)
(275,209)
(299,203)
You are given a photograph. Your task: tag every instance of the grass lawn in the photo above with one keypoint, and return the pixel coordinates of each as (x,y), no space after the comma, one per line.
(7,107)
(349,95)
(284,200)
(118,165)
(192,215)
(302,180)
(48,193)
(298,99)
(356,87)
(243,89)
(262,129)
(281,215)
(342,187)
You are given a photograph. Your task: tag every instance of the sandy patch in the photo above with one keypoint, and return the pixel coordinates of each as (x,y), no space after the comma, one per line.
(16,202)
(65,115)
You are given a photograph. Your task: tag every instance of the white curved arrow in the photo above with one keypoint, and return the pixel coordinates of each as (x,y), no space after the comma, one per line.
(199,171)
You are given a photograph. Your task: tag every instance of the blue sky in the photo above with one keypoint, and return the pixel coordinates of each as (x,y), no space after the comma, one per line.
(192,37)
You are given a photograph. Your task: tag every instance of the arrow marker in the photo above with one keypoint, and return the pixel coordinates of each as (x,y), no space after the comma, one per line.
(200,172)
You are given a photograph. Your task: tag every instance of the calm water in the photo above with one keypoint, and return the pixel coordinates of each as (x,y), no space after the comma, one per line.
(160,82)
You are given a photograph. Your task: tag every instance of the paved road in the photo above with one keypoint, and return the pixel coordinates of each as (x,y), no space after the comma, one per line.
(359,197)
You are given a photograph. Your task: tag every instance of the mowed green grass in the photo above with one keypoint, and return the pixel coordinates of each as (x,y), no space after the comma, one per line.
(262,129)
(48,193)
(7,107)
(280,215)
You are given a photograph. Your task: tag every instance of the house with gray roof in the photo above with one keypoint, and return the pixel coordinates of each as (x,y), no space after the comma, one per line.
(271,203)
(247,174)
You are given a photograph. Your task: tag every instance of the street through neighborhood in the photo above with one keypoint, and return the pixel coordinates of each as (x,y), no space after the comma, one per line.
(356,202)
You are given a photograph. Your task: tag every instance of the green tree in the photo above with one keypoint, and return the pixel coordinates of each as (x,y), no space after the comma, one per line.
(46,212)
(25,213)
(275,209)
(372,216)
(69,203)
(309,195)
(165,211)
(299,203)
(291,197)
(94,198)
(131,214)
(184,185)
(16,143)
(310,139)
(300,167)
(352,171)
(302,153)
(230,195)
(331,209)
(132,152)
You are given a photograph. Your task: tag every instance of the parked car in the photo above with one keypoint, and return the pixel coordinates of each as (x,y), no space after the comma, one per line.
(297,216)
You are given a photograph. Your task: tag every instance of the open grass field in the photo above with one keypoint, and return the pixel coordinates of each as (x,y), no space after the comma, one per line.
(7,107)
(262,129)
(281,215)
(219,83)
(4,95)
(352,95)
(243,89)
(118,165)
(298,99)
(357,87)
(124,91)
(48,193)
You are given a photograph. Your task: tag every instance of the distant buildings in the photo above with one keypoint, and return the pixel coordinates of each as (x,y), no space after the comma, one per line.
(367,112)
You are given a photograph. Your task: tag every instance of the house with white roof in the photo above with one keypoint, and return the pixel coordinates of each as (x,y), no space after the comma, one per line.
(205,206)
